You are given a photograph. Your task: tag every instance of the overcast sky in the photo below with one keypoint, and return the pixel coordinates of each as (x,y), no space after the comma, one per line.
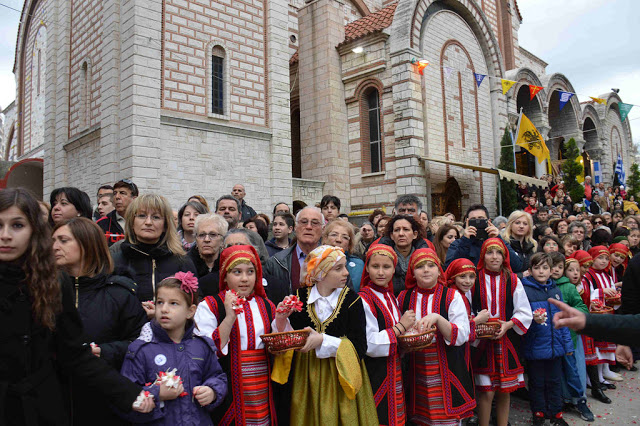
(589,41)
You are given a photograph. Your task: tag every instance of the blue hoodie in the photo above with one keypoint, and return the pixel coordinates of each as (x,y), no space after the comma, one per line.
(543,341)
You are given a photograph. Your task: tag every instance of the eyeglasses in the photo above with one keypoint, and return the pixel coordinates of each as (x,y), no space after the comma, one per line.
(210,235)
(153,217)
(343,237)
(314,223)
(597,222)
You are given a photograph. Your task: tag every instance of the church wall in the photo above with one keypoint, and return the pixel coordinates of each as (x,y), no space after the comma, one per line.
(458,114)
(525,59)
(191,30)
(85,66)
(221,157)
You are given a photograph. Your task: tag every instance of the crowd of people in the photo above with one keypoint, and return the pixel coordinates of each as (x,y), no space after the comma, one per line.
(130,312)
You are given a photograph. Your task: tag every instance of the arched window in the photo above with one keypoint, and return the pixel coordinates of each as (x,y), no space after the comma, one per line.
(371,131)
(217,80)
(39,71)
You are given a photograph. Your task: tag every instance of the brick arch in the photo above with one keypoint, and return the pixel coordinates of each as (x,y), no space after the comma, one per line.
(365,84)
(558,81)
(526,77)
(588,111)
(470,12)
(28,11)
(613,99)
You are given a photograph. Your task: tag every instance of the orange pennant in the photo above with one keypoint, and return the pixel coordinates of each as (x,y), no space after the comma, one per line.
(599,100)
(533,91)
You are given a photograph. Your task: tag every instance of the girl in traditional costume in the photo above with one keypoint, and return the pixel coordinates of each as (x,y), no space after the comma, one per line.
(461,275)
(384,324)
(439,384)
(598,283)
(619,261)
(330,382)
(235,319)
(496,366)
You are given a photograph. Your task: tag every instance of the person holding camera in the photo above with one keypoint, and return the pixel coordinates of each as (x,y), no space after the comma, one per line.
(478,228)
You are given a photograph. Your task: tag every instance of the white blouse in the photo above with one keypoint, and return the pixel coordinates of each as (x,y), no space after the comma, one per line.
(207,323)
(378,342)
(522,315)
(457,314)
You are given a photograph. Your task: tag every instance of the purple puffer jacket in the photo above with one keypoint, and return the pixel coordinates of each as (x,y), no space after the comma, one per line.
(197,364)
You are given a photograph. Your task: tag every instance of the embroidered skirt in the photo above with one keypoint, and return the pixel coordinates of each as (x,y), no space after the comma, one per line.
(496,382)
(250,387)
(425,396)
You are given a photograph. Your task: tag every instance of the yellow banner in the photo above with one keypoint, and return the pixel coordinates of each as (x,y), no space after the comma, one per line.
(530,139)
(506,85)
(599,100)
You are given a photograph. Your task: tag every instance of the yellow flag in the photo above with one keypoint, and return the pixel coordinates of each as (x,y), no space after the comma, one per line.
(506,85)
(530,139)
(599,100)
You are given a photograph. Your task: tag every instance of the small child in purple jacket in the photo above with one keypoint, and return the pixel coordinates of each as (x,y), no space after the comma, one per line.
(168,343)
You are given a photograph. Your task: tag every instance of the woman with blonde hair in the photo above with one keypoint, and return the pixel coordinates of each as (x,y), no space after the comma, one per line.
(152,250)
(519,234)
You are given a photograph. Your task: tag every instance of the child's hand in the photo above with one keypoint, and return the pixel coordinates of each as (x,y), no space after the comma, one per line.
(619,284)
(482,317)
(146,406)
(313,341)
(504,327)
(283,311)
(610,292)
(538,318)
(408,319)
(204,395)
(149,308)
(95,349)
(230,300)
(168,393)
(427,322)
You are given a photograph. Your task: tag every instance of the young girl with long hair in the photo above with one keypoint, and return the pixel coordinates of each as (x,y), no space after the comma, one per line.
(41,332)
(439,384)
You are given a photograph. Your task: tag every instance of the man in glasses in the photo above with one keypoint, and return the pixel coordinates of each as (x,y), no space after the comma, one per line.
(283,269)
(124,192)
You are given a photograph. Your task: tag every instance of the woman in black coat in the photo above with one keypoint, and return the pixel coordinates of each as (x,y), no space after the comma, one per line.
(41,331)
(151,250)
(111,314)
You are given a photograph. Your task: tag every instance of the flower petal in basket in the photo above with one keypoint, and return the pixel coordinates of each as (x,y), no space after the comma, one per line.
(285,341)
(489,329)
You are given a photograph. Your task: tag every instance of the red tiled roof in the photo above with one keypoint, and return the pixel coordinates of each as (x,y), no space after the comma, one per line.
(369,24)
(518,10)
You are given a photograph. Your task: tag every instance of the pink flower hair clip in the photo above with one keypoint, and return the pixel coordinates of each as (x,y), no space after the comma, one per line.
(188,283)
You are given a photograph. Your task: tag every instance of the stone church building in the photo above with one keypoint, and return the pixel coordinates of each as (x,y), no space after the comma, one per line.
(293,98)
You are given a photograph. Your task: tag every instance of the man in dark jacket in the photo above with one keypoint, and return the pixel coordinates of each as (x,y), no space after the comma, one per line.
(124,192)
(469,246)
(239,193)
(282,270)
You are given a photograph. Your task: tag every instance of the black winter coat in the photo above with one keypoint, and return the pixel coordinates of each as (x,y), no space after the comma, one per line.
(147,265)
(33,359)
(207,278)
(524,251)
(112,317)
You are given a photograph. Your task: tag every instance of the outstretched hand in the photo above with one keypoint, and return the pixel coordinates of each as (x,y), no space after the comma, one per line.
(568,316)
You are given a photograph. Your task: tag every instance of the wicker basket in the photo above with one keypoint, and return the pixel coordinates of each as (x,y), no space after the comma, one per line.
(605,310)
(489,329)
(277,343)
(415,342)
(614,300)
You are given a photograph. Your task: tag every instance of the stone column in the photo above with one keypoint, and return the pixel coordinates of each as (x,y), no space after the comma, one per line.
(323,112)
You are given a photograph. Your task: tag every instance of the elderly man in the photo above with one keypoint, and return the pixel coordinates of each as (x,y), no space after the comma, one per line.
(283,269)
(239,193)
(228,207)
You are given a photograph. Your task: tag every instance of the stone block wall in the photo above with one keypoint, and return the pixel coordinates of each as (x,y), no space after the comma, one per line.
(85,65)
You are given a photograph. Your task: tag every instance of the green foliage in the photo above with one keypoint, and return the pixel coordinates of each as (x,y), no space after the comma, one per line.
(507,187)
(572,169)
(633,181)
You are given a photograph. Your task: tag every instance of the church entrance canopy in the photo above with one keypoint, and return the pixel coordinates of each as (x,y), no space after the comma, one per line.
(503,174)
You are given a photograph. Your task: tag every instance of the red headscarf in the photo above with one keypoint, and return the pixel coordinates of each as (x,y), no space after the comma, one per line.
(582,257)
(418,258)
(383,250)
(232,256)
(459,267)
(599,251)
(622,250)
(500,245)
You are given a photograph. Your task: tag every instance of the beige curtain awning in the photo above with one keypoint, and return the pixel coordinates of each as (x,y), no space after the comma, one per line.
(515,177)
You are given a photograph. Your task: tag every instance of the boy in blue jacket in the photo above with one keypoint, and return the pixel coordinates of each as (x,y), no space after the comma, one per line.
(544,346)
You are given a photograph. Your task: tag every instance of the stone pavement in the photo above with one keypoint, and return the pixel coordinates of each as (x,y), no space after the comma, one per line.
(624,409)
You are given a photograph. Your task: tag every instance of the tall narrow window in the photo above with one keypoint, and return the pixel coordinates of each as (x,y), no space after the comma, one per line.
(39,69)
(375,138)
(217,81)
(84,96)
